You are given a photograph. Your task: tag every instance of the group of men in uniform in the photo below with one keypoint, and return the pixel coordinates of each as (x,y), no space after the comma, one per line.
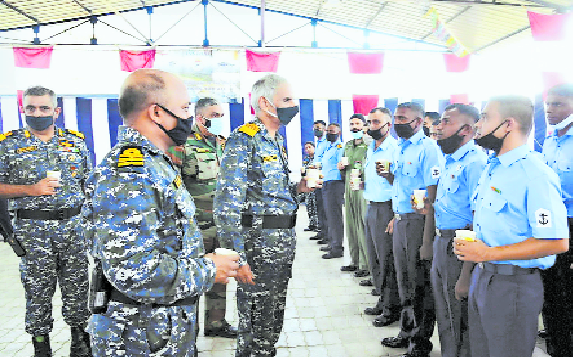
(152,213)
(486,295)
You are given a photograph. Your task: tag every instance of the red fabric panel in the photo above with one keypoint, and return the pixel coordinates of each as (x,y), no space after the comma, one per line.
(364,103)
(548,27)
(131,61)
(262,61)
(551,79)
(460,98)
(365,63)
(32,57)
(252,109)
(455,63)
(20,100)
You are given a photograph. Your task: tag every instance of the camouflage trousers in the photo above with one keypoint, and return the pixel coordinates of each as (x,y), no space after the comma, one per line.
(143,331)
(262,306)
(216,298)
(55,253)
(312,209)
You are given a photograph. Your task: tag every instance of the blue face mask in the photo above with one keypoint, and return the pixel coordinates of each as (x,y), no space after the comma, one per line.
(214,125)
(357,135)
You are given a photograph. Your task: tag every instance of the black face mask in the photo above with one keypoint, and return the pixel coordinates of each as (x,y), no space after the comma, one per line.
(285,115)
(182,129)
(426,130)
(377,134)
(331,137)
(318,133)
(490,142)
(404,131)
(39,123)
(450,144)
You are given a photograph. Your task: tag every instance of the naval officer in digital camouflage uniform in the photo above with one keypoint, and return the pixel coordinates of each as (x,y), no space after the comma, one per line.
(199,160)
(142,229)
(255,210)
(46,220)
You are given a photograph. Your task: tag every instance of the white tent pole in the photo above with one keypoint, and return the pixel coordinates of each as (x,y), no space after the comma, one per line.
(263,4)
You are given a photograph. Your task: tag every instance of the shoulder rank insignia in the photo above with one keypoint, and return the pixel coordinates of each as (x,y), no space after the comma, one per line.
(339,146)
(270,158)
(250,129)
(201,150)
(26,149)
(177,182)
(76,133)
(5,135)
(130,156)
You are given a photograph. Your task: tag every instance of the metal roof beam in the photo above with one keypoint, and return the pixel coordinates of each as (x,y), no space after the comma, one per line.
(14,8)
(492,2)
(83,7)
(502,38)
(377,13)
(550,5)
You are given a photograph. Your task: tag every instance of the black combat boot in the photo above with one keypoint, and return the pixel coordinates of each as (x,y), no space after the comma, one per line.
(80,346)
(42,346)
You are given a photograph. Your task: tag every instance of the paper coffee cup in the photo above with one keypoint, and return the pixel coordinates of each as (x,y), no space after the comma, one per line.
(419,198)
(384,166)
(344,161)
(53,174)
(224,251)
(467,235)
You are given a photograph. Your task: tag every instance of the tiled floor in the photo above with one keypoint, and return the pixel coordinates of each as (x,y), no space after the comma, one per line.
(324,314)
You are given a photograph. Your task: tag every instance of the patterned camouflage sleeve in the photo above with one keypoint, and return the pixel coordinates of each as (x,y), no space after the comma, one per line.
(86,161)
(137,238)
(231,193)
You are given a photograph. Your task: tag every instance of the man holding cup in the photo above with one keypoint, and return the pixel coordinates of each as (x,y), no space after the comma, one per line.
(351,166)
(378,192)
(43,170)
(415,167)
(521,222)
(460,172)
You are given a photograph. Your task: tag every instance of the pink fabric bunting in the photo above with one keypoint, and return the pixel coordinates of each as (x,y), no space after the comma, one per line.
(364,103)
(456,64)
(131,61)
(460,98)
(33,57)
(20,94)
(252,109)
(365,63)
(548,27)
(262,61)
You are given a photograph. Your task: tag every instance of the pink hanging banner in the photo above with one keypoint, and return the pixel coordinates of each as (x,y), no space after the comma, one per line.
(131,61)
(262,61)
(252,109)
(548,27)
(32,57)
(455,63)
(363,104)
(460,98)
(365,63)
(20,94)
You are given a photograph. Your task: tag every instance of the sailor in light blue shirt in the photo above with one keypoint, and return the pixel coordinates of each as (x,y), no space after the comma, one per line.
(330,158)
(461,169)
(521,222)
(321,142)
(377,188)
(558,152)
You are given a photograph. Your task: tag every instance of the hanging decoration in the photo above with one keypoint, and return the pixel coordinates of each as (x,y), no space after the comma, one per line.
(442,32)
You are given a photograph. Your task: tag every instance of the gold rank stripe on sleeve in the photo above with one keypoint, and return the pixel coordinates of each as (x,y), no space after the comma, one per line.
(178,181)
(5,135)
(270,158)
(130,156)
(250,129)
(26,149)
(339,146)
(202,150)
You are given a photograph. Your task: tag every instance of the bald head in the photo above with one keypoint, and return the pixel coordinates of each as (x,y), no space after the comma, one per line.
(143,88)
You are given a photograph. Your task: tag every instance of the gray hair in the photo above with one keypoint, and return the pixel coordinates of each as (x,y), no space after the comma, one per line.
(39,91)
(265,87)
(204,103)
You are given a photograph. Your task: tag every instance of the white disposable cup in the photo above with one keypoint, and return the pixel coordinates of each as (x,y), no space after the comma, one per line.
(53,174)
(384,166)
(224,251)
(467,235)
(419,198)
(344,161)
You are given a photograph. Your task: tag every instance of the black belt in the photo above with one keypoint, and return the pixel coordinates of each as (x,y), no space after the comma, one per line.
(117,296)
(281,221)
(449,233)
(507,269)
(385,203)
(401,216)
(57,214)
